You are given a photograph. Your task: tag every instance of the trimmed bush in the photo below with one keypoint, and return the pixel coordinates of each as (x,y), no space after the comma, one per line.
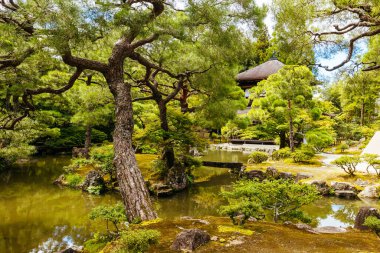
(136,241)
(281,154)
(304,154)
(258,157)
(343,147)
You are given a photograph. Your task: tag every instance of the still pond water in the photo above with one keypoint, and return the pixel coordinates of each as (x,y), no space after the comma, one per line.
(36,216)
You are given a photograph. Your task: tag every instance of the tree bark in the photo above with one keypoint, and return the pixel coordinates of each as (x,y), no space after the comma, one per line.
(291,130)
(168,151)
(87,142)
(132,186)
(282,139)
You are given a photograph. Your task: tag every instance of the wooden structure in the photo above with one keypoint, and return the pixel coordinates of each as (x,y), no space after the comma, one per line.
(247,79)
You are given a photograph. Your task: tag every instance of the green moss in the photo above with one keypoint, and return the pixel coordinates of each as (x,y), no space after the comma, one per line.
(234,229)
(73,180)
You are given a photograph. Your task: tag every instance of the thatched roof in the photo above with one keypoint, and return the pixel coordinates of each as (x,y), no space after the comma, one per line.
(261,72)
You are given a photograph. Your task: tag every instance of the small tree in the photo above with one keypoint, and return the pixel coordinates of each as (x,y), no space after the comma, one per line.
(258,157)
(348,164)
(114,214)
(283,198)
(319,139)
(373,161)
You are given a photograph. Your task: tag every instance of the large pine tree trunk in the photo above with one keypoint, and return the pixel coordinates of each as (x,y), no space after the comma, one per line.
(87,142)
(291,129)
(131,182)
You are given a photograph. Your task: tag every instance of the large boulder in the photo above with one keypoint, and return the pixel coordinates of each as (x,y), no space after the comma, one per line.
(300,226)
(363,213)
(72,249)
(346,194)
(369,192)
(177,178)
(272,172)
(78,152)
(94,179)
(255,174)
(342,186)
(286,175)
(190,239)
(322,187)
(301,176)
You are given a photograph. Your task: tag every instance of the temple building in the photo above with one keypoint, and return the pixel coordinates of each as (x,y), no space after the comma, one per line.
(247,79)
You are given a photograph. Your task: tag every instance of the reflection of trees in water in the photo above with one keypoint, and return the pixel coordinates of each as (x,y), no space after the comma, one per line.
(207,198)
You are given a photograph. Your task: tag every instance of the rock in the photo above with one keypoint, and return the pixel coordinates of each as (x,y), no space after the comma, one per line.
(330,230)
(363,213)
(222,240)
(301,176)
(188,218)
(255,174)
(369,192)
(190,239)
(342,186)
(286,175)
(252,219)
(361,182)
(272,172)
(322,187)
(346,194)
(60,180)
(161,190)
(214,238)
(94,179)
(72,249)
(234,242)
(300,226)
(78,152)
(177,178)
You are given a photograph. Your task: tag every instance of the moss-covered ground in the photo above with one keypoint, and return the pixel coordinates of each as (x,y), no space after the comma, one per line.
(261,237)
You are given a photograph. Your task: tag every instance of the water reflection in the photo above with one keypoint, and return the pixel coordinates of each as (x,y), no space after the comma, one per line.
(37,216)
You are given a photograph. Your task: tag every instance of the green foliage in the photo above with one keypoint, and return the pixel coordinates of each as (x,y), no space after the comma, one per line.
(258,157)
(137,241)
(96,190)
(343,147)
(304,154)
(281,154)
(347,163)
(282,198)
(114,214)
(319,139)
(373,223)
(102,158)
(97,243)
(73,180)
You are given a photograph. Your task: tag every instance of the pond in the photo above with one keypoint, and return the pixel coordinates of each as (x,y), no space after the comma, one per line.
(37,216)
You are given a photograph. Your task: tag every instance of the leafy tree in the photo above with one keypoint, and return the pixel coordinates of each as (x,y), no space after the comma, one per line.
(373,223)
(373,161)
(283,198)
(109,38)
(92,106)
(289,89)
(319,139)
(348,164)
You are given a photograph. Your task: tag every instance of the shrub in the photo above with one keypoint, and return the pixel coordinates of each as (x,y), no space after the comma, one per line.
(114,214)
(343,147)
(97,190)
(281,154)
(102,157)
(136,241)
(282,198)
(97,243)
(304,154)
(258,157)
(73,180)
(347,163)
(373,223)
